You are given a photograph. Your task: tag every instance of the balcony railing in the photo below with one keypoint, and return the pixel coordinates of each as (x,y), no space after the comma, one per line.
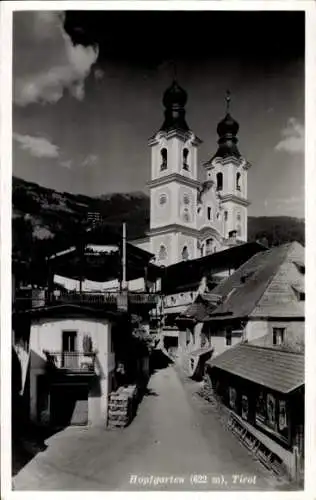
(39,298)
(81,362)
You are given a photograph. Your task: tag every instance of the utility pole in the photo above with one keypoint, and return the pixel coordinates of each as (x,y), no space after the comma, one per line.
(124,258)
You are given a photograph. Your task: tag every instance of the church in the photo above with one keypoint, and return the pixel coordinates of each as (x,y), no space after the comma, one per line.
(192,218)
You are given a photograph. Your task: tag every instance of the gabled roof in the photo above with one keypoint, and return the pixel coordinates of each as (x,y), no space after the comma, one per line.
(199,309)
(279,370)
(186,274)
(245,292)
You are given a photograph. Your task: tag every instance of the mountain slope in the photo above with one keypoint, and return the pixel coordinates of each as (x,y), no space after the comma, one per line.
(45,220)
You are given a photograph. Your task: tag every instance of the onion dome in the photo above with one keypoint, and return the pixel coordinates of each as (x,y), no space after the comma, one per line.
(175,95)
(174,101)
(227,130)
(228,127)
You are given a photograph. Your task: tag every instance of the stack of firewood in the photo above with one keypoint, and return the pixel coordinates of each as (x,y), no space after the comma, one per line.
(121,406)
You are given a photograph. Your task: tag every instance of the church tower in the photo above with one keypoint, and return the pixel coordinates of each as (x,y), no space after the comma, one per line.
(227,170)
(173,185)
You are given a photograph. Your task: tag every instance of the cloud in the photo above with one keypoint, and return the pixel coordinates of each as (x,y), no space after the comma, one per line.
(89,160)
(99,74)
(37,146)
(293,137)
(66,164)
(46,62)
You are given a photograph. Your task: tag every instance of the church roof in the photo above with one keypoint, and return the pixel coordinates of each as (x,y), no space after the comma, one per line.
(174,101)
(227,130)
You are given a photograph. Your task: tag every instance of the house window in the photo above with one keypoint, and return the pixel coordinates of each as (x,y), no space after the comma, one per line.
(238,175)
(69,341)
(219,181)
(244,407)
(228,336)
(278,336)
(209,213)
(232,398)
(164,158)
(185,253)
(162,253)
(209,244)
(185,159)
(271,411)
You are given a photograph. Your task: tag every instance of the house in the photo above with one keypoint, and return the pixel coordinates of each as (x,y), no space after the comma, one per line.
(262,302)
(265,297)
(264,389)
(181,286)
(67,356)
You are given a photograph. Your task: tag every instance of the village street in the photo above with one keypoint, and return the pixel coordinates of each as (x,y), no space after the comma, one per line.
(175,435)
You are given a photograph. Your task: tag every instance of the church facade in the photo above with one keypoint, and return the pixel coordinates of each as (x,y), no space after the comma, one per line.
(191,218)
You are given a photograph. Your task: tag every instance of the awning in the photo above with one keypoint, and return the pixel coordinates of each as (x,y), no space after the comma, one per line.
(201,352)
(279,370)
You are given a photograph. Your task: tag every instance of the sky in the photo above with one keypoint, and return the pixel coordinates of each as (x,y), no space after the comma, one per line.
(88,88)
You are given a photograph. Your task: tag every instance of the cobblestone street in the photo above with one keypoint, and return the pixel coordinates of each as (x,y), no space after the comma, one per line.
(174,436)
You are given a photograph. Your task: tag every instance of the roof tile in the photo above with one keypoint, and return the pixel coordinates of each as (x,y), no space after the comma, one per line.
(279,370)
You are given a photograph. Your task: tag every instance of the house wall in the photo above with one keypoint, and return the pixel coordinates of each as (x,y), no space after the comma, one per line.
(294,334)
(218,341)
(216,336)
(47,335)
(256,330)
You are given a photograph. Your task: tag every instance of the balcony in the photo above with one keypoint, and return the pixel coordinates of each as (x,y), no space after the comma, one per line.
(109,300)
(72,362)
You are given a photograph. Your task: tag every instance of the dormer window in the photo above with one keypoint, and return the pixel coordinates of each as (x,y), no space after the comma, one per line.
(209,213)
(238,176)
(185,154)
(299,292)
(219,181)
(300,266)
(225,216)
(164,159)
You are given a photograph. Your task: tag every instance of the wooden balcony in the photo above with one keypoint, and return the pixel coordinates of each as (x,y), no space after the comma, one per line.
(72,362)
(109,300)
